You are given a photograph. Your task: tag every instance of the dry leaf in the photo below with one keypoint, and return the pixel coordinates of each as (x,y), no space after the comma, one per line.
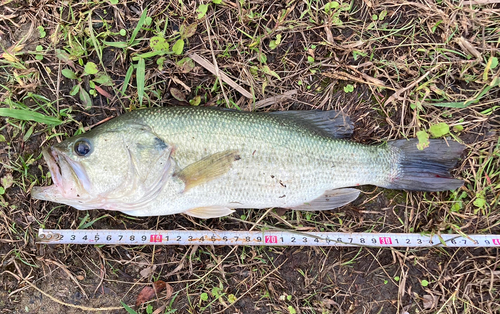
(147,293)
(103,92)
(177,94)
(429,301)
(188,31)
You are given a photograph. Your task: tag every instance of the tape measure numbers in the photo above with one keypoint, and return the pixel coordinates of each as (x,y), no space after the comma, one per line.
(262,238)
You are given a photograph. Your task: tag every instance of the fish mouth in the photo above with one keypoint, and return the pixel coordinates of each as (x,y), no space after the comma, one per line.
(69,178)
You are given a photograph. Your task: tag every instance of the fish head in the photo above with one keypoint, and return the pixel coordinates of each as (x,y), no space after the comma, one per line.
(107,168)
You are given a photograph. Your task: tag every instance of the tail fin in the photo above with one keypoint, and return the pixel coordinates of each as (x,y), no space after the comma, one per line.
(427,169)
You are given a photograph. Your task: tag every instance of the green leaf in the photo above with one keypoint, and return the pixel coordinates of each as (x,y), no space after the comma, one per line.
(178,47)
(267,70)
(148,21)
(382,15)
(140,76)
(274,43)
(216,292)
(39,48)
(90,68)
(232,298)
(348,88)
(195,101)
(123,32)
(423,140)
(217,1)
(310,59)
(42,32)
(74,90)
(2,190)
(67,73)
(331,5)
(113,1)
(480,202)
(158,43)
(494,62)
(28,115)
(85,98)
(291,310)
(440,129)
(103,79)
(202,9)
(262,58)
(424,283)
(204,296)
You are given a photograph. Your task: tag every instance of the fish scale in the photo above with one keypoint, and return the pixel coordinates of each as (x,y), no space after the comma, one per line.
(306,164)
(205,162)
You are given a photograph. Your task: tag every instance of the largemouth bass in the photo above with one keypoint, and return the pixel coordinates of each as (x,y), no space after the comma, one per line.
(206,162)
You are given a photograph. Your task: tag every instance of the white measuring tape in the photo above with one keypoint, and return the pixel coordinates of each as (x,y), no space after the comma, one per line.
(263,238)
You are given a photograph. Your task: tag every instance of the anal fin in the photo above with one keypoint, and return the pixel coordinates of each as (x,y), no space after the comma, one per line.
(209,212)
(330,199)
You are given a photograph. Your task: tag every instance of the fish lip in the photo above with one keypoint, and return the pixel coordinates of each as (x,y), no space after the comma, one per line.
(54,158)
(51,158)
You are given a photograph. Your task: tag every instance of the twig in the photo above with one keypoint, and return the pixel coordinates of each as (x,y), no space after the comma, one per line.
(222,76)
(274,99)
(475,2)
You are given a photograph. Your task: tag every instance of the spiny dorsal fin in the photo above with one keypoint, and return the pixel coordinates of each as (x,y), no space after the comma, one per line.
(331,123)
(207,169)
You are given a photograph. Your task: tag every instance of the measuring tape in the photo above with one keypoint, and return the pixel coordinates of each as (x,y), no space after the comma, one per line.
(263,238)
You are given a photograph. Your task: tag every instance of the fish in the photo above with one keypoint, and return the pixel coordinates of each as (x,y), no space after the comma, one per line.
(206,162)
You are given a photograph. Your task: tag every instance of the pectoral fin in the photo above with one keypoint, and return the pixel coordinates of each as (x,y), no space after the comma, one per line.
(208,168)
(209,212)
(331,199)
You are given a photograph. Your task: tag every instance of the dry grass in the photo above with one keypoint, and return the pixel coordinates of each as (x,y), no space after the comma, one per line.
(397,68)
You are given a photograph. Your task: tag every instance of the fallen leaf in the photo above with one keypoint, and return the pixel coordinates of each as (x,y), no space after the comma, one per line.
(7,180)
(103,92)
(429,301)
(177,94)
(186,65)
(147,293)
(188,31)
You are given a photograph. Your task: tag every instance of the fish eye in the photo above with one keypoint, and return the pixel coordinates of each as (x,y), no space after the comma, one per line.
(82,148)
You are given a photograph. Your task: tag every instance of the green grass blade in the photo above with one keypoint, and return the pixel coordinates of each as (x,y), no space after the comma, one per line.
(128,76)
(98,48)
(142,19)
(140,75)
(27,115)
(117,44)
(127,308)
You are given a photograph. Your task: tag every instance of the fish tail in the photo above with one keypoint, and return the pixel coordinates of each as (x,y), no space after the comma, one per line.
(427,169)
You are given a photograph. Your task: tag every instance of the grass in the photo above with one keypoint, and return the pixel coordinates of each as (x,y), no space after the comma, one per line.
(400,70)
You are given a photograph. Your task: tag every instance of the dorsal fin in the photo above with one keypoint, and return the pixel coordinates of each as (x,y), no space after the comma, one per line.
(330,123)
